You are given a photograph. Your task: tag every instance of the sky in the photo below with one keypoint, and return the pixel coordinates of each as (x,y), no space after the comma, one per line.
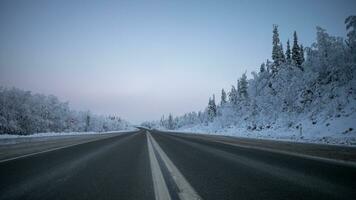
(143,59)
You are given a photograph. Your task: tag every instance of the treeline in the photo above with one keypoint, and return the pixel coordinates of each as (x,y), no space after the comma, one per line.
(297,83)
(22,112)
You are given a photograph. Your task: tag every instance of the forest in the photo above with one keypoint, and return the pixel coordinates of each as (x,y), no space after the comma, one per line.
(299,85)
(23,113)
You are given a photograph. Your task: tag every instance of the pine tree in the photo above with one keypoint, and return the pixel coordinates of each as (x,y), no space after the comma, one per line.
(170,122)
(302,58)
(211,109)
(243,85)
(277,52)
(223,97)
(233,96)
(213,105)
(238,89)
(162,121)
(262,68)
(283,58)
(296,57)
(351,35)
(87,122)
(269,65)
(288,54)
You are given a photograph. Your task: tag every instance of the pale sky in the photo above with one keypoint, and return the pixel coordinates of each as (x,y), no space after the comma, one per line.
(142,59)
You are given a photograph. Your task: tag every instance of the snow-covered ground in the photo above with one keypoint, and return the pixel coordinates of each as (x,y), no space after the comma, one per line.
(338,131)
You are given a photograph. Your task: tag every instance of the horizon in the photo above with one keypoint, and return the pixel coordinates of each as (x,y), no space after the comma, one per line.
(144,60)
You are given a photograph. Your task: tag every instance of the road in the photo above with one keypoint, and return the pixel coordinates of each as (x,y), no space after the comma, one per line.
(158,165)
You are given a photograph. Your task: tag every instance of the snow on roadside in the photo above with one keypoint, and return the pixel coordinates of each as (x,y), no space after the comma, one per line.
(336,131)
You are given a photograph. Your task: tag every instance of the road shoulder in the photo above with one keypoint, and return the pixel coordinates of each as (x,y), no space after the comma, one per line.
(11,151)
(330,153)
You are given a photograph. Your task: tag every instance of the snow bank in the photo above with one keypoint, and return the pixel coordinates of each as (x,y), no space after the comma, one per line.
(337,131)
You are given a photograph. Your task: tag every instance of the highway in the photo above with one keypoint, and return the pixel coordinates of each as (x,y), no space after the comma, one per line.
(150,164)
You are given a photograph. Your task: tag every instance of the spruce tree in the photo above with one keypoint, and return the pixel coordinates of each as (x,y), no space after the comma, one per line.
(223,97)
(277,54)
(288,54)
(162,121)
(283,58)
(233,95)
(262,68)
(170,122)
(296,57)
(213,105)
(350,23)
(211,109)
(238,88)
(351,32)
(269,66)
(243,86)
(87,122)
(302,58)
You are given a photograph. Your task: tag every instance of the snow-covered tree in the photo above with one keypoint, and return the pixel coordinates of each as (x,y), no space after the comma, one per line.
(351,35)
(288,54)
(87,122)
(170,124)
(321,84)
(233,95)
(296,56)
(211,109)
(302,58)
(223,97)
(22,112)
(283,57)
(242,86)
(262,68)
(277,52)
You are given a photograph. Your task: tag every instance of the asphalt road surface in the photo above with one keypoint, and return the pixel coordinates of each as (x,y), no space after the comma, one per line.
(157,165)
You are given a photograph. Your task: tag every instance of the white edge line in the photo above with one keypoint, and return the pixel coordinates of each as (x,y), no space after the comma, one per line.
(52,149)
(186,191)
(159,184)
